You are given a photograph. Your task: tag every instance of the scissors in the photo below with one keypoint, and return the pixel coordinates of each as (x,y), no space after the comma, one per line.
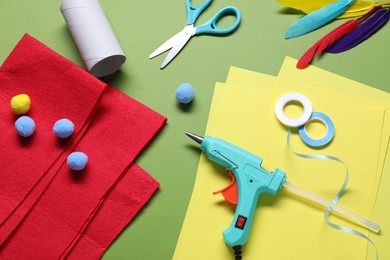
(177,42)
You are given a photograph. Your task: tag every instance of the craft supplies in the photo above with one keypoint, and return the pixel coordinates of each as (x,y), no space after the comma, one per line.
(371,18)
(320,142)
(306,117)
(77,161)
(25,126)
(293,97)
(63,128)
(93,35)
(250,181)
(318,18)
(332,206)
(34,160)
(366,28)
(185,93)
(286,219)
(346,36)
(20,104)
(93,242)
(354,10)
(43,179)
(317,142)
(177,42)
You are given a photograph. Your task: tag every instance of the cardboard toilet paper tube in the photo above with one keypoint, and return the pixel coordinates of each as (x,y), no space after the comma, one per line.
(93,35)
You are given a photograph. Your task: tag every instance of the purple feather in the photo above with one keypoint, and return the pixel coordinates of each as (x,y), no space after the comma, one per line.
(362,32)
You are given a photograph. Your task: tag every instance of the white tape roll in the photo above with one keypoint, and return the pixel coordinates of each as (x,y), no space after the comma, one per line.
(94,38)
(291,97)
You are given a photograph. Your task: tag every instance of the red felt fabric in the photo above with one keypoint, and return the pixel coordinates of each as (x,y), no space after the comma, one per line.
(120,207)
(73,202)
(57,88)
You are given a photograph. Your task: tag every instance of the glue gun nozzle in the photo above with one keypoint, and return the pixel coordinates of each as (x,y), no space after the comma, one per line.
(195,137)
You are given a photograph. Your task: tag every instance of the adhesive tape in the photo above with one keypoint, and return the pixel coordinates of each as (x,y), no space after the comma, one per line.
(290,97)
(314,142)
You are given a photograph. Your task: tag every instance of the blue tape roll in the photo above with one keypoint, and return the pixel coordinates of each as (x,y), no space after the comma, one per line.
(314,142)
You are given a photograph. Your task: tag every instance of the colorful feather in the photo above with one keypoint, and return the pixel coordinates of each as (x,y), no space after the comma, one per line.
(319,47)
(362,32)
(356,9)
(306,6)
(317,18)
(328,39)
(361,7)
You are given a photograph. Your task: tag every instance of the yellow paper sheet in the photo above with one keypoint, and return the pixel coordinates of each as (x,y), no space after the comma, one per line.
(253,79)
(381,213)
(354,92)
(351,89)
(330,85)
(284,227)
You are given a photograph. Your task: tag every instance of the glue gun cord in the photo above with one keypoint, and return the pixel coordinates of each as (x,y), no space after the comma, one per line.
(237,252)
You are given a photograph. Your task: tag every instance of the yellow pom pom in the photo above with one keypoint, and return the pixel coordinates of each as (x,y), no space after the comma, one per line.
(20,104)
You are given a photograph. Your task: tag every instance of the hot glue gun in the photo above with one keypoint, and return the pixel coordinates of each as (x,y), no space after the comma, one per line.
(250,180)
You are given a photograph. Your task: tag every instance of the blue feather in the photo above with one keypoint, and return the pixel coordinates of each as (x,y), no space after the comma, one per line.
(318,18)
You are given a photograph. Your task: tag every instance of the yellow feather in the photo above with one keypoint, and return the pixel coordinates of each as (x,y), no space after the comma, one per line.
(306,6)
(358,8)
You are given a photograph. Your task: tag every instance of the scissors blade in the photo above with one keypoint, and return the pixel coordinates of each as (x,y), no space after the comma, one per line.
(166,45)
(182,39)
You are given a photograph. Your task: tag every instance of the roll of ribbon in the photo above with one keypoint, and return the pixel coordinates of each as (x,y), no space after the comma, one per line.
(92,33)
(317,142)
(293,97)
(337,197)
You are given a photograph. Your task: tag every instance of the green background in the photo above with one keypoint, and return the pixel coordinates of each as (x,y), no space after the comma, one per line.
(140,27)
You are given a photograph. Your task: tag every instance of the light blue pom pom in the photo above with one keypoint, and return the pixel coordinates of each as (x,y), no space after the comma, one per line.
(77,161)
(25,126)
(185,93)
(63,128)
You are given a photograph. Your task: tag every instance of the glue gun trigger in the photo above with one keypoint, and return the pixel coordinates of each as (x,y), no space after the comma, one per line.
(229,192)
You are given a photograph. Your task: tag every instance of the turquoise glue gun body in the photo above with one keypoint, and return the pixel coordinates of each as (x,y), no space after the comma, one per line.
(251,180)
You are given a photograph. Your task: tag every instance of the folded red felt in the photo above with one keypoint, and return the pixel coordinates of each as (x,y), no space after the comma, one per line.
(118,209)
(121,128)
(56,88)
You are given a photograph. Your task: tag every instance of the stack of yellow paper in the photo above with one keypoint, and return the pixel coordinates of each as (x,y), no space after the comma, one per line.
(286,226)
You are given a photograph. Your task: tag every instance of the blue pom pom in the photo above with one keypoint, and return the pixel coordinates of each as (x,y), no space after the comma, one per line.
(25,126)
(77,161)
(63,128)
(185,93)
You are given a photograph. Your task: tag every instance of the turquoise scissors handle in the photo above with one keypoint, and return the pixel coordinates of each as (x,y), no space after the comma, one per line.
(211,27)
(194,12)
